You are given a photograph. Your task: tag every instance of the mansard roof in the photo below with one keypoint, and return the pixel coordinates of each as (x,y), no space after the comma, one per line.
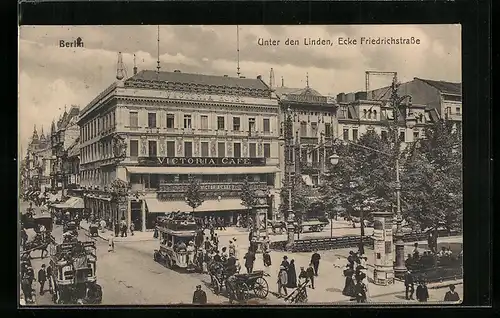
(199,79)
(443,86)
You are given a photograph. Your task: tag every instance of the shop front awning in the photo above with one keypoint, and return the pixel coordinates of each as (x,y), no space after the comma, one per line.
(157,206)
(203,170)
(71,203)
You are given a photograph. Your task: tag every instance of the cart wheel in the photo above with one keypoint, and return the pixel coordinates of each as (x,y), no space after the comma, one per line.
(215,284)
(261,288)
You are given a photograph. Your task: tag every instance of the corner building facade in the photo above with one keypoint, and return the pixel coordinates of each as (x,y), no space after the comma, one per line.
(157,130)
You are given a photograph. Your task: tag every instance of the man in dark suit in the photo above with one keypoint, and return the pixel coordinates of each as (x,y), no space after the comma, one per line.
(451,295)
(42,278)
(199,296)
(315,261)
(409,285)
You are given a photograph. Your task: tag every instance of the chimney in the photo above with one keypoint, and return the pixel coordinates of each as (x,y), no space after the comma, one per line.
(282,82)
(177,71)
(259,77)
(341,97)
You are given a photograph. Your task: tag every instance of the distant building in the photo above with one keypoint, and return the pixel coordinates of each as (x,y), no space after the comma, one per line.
(430,101)
(314,119)
(38,162)
(156,130)
(445,98)
(63,135)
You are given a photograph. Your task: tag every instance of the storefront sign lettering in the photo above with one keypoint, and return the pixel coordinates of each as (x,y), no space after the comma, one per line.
(306,98)
(201,162)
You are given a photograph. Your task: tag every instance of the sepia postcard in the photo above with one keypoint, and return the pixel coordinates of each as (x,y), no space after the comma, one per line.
(240,165)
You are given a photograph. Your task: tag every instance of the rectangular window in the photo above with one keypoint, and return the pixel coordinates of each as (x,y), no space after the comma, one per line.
(188,149)
(204,122)
(314,155)
(328,129)
(457,110)
(187,121)
(402,136)
(346,134)
(267,150)
(236,123)
(134,119)
(415,135)
(266,125)
(170,148)
(152,144)
(221,149)
(253,150)
(170,120)
(251,124)
(384,135)
(354,134)
(303,155)
(151,120)
(204,149)
(220,123)
(314,128)
(237,150)
(303,129)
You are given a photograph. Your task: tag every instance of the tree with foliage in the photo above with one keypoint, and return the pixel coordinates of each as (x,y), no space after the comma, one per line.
(363,178)
(432,182)
(194,197)
(301,197)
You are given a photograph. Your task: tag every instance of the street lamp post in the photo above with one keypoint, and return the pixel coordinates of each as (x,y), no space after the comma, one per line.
(288,134)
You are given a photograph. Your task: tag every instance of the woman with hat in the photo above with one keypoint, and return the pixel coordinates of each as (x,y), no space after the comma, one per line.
(349,282)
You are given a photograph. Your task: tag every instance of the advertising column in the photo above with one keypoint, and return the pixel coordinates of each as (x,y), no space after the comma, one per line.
(382,234)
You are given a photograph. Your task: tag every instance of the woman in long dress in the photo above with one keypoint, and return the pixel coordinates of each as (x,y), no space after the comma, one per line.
(292,275)
(349,282)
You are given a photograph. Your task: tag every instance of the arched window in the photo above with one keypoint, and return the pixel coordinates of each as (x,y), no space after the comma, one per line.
(374,114)
(364,112)
(370,114)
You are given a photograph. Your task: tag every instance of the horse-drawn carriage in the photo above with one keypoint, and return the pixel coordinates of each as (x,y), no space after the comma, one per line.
(74,273)
(239,287)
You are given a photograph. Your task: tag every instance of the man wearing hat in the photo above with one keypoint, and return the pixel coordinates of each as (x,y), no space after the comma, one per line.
(422,292)
(451,295)
(199,296)
(285,262)
(409,285)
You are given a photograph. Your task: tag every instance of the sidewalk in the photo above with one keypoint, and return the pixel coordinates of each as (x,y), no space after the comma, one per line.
(137,237)
(330,282)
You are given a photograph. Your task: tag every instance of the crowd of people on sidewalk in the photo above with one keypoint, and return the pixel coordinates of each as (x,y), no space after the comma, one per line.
(431,258)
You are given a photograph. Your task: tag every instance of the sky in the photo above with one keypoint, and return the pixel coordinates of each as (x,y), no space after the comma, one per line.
(52,78)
